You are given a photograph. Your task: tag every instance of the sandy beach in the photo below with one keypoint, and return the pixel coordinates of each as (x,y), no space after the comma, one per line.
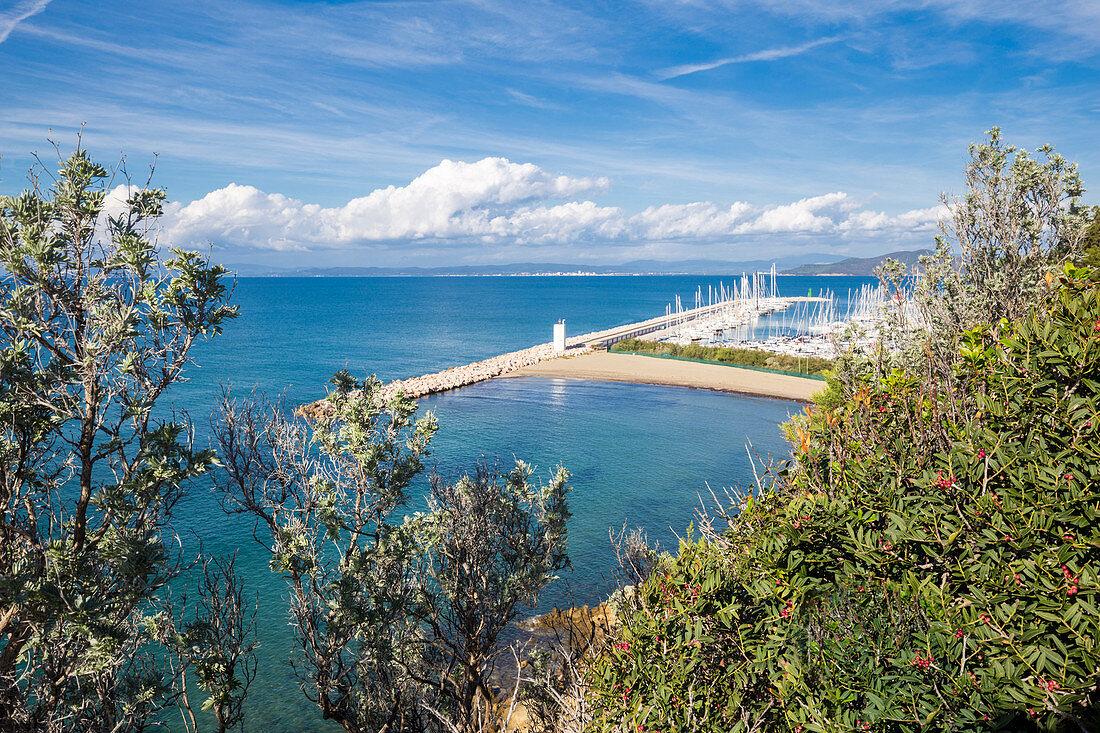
(611,367)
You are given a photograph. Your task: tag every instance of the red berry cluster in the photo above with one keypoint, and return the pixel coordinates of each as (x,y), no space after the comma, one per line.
(1047,685)
(922,662)
(1071,580)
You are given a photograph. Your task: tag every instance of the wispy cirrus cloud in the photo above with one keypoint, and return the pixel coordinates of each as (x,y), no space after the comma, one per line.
(17,14)
(768,54)
(324,103)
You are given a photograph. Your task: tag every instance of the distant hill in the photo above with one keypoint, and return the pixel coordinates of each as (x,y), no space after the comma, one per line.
(858,265)
(635,267)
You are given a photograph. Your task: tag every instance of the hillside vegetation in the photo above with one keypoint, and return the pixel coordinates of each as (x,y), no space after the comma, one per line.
(864,266)
(892,579)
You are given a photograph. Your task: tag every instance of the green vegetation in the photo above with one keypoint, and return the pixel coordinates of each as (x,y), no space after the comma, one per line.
(95,329)
(1090,243)
(928,560)
(743,357)
(397,622)
(883,584)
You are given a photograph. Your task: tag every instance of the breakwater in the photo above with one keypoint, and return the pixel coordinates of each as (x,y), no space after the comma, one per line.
(730,311)
(463,376)
(479,371)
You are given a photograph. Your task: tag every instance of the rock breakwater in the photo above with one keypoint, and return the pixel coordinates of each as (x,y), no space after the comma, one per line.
(463,376)
(478,371)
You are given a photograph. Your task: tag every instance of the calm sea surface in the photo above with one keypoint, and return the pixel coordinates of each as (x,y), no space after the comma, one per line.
(638,454)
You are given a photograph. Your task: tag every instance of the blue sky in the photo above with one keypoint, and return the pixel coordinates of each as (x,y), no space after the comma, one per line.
(365,133)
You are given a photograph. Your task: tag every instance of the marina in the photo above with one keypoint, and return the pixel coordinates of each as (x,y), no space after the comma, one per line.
(748,313)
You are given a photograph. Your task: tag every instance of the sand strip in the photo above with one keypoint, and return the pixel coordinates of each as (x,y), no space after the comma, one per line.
(604,366)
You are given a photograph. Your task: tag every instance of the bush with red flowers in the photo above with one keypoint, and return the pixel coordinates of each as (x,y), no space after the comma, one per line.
(928,561)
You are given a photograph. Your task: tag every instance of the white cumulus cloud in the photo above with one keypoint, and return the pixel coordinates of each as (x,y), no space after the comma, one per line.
(496,201)
(450,200)
(914,220)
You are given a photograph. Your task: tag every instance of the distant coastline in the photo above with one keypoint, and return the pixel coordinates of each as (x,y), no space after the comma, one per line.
(474,274)
(807,264)
(537,269)
(859,266)
(553,274)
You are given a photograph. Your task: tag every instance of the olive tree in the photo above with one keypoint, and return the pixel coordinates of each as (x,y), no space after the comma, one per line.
(322,497)
(397,622)
(1017,221)
(490,544)
(95,327)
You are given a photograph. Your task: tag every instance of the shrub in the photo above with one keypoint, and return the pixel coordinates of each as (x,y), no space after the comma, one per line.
(743,357)
(918,566)
(397,624)
(95,327)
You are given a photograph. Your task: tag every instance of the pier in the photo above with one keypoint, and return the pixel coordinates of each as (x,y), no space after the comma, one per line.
(726,310)
(717,309)
(668,324)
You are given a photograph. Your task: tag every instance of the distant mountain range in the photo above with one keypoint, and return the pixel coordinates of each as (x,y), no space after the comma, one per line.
(635,267)
(858,265)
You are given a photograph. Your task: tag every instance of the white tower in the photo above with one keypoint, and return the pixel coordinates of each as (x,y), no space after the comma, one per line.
(559,336)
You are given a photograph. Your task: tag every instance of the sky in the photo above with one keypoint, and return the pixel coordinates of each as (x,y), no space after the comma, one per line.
(483,131)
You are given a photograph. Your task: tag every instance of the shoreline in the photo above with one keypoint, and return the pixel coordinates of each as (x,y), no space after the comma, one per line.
(599,366)
(577,360)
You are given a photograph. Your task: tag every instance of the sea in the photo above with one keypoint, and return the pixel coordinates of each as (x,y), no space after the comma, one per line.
(640,456)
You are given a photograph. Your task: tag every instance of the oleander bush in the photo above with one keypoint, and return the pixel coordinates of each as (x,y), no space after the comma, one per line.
(928,560)
(743,357)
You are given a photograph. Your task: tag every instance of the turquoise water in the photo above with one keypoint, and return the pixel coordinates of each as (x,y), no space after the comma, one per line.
(638,454)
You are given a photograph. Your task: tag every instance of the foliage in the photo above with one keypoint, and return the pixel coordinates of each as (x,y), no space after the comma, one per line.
(744,357)
(218,643)
(323,499)
(95,329)
(488,545)
(1090,243)
(397,623)
(1017,221)
(909,571)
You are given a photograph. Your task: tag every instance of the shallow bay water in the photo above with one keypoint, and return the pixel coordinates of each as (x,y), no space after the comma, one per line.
(638,454)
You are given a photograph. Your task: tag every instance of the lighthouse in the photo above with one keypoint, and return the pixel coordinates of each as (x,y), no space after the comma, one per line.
(559,336)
